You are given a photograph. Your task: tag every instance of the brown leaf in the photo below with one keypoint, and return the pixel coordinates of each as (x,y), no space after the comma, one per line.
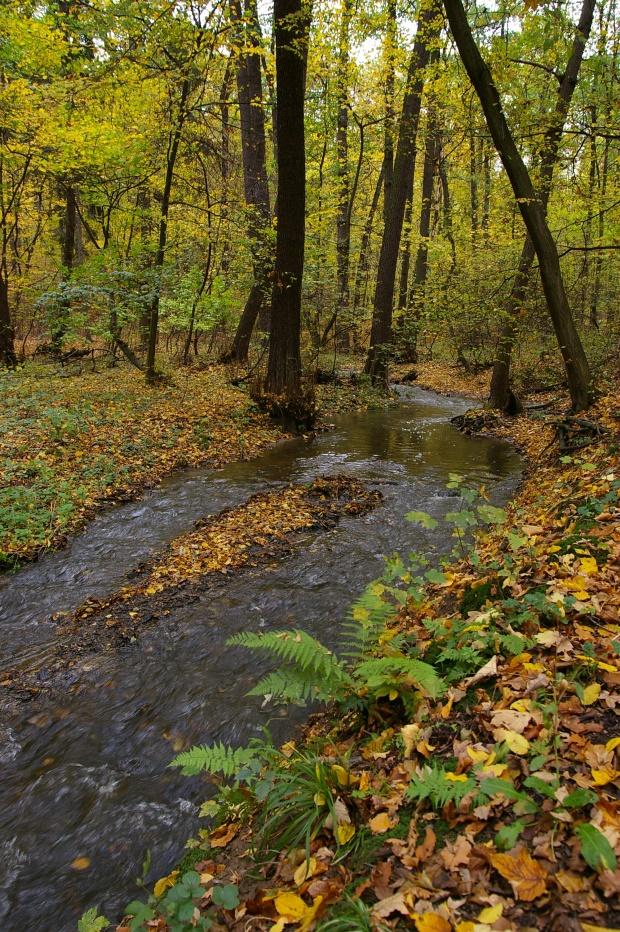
(527,877)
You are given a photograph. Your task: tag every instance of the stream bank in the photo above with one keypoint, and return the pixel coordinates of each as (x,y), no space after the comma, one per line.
(491,806)
(86,775)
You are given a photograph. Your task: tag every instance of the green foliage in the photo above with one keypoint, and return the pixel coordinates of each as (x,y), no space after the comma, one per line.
(350,914)
(435,785)
(380,675)
(595,849)
(91,921)
(215,759)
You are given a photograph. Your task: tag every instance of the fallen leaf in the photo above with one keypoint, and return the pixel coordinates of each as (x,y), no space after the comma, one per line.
(431,922)
(381,823)
(527,877)
(81,864)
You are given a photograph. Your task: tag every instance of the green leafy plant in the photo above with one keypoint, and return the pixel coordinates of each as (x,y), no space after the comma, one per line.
(91,921)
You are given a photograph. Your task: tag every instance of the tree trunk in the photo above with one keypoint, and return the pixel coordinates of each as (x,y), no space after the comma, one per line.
(343,215)
(284,365)
(539,240)
(171,157)
(225,163)
(429,26)
(390,114)
(256,185)
(7,336)
(416,296)
(361,273)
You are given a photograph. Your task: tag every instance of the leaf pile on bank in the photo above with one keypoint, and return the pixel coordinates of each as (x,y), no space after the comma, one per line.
(267,525)
(494,806)
(70,445)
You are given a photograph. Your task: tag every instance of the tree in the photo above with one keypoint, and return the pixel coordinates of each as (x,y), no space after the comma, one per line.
(256,185)
(500,391)
(291,37)
(429,27)
(530,206)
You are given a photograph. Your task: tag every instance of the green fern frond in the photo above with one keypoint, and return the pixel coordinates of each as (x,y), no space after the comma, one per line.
(434,785)
(381,671)
(295,647)
(362,631)
(216,758)
(290,685)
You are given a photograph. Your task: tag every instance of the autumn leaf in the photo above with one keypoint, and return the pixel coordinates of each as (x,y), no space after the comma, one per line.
(431,922)
(527,877)
(381,823)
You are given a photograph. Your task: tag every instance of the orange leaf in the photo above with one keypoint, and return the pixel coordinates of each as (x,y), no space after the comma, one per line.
(527,877)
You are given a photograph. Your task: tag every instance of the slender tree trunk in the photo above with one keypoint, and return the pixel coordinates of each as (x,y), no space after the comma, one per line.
(390,113)
(598,259)
(361,274)
(7,336)
(343,216)
(225,163)
(415,301)
(429,27)
(256,185)
(473,187)
(486,191)
(173,148)
(405,262)
(291,36)
(539,241)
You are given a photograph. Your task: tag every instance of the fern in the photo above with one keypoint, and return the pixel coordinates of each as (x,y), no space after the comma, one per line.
(311,671)
(217,758)
(433,784)
(300,686)
(295,647)
(380,672)
(367,623)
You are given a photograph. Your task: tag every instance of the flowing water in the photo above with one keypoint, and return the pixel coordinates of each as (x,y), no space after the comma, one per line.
(87,776)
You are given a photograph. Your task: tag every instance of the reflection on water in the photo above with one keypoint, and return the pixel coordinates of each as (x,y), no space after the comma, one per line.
(88,776)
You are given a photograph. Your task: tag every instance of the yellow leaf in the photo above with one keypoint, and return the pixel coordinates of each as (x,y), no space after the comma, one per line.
(466,927)
(290,906)
(305,870)
(516,742)
(344,832)
(478,756)
(80,864)
(491,914)
(393,694)
(431,922)
(590,928)
(319,799)
(380,824)
(455,777)
(342,775)
(602,777)
(310,915)
(409,735)
(591,694)
(612,744)
(164,883)
(527,877)
(589,566)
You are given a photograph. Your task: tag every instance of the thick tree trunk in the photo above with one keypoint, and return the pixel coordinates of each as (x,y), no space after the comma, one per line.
(429,26)
(173,149)
(284,365)
(256,185)
(538,240)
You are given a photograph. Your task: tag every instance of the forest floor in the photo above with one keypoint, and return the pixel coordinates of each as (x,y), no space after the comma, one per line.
(489,803)
(70,444)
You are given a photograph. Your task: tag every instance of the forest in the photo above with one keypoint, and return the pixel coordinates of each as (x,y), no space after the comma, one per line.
(309,465)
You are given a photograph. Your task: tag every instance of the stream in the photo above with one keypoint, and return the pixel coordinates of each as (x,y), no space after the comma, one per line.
(87,776)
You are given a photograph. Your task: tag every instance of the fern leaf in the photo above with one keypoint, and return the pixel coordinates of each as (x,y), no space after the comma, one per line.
(295,647)
(215,758)
(380,671)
